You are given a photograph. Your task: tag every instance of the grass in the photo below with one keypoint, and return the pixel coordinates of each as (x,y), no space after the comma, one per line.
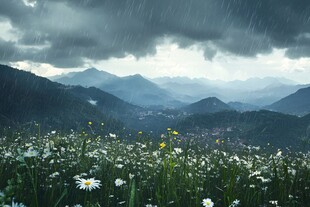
(181,173)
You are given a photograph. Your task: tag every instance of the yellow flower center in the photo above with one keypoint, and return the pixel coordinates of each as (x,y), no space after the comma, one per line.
(87,183)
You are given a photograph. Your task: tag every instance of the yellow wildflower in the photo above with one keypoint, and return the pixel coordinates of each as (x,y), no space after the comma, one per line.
(175,133)
(90,123)
(162,145)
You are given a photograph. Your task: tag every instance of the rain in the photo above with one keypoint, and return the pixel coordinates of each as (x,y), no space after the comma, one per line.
(155,103)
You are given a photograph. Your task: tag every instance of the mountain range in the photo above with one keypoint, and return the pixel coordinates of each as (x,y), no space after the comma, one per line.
(255,91)
(137,89)
(134,89)
(180,91)
(25,98)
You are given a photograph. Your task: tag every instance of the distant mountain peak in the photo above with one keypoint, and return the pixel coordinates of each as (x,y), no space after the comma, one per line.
(86,78)
(138,76)
(96,71)
(92,68)
(134,88)
(211,99)
(207,105)
(297,103)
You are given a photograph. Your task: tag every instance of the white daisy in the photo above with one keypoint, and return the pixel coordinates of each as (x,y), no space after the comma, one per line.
(15,205)
(131,176)
(235,203)
(119,182)
(31,153)
(178,150)
(88,184)
(207,202)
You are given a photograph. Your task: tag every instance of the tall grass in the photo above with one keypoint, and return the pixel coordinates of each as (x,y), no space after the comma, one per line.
(182,173)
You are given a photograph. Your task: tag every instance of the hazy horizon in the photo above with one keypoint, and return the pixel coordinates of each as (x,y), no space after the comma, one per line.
(172,77)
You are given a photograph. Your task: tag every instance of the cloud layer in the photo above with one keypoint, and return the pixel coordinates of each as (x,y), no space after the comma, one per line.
(66,33)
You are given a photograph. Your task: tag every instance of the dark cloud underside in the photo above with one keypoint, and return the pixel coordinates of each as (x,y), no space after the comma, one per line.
(65,33)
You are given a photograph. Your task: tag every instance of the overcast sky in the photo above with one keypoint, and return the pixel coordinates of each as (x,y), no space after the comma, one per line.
(216,39)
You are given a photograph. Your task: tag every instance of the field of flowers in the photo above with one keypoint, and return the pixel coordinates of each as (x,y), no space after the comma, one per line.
(86,169)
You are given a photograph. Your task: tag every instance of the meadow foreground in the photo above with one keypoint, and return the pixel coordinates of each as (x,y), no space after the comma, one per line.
(85,169)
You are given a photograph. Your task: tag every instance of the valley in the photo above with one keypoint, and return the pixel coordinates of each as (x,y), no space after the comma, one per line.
(69,107)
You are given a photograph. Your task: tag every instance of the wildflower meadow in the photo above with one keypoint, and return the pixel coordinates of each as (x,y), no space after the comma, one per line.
(87,169)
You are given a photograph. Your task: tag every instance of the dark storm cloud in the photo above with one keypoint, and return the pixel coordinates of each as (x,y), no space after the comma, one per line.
(8,51)
(71,31)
